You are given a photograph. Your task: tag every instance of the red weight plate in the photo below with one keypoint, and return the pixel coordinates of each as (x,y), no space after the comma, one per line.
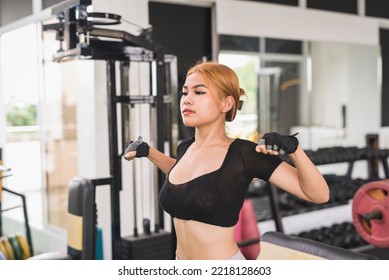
(372,197)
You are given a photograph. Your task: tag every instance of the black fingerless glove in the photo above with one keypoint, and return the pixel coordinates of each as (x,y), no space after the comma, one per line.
(142,148)
(281,143)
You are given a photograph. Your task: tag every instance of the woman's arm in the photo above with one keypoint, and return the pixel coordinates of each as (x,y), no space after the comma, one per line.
(162,161)
(304,180)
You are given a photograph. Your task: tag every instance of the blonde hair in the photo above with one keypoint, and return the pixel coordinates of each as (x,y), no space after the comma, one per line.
(224,79)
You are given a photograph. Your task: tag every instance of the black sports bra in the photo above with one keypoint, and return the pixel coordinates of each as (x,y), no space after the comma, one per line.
(216,198)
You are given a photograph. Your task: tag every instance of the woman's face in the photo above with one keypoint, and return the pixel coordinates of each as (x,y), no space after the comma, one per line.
(200,103)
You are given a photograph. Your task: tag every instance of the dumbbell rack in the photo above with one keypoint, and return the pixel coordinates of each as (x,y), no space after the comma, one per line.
(283,204)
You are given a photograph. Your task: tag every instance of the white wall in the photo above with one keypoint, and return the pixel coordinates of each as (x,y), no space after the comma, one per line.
(281,21)
(346,74)
(364,94)
(329,82)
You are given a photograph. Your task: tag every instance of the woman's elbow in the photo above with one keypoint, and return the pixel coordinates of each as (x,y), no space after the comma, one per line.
(324,196)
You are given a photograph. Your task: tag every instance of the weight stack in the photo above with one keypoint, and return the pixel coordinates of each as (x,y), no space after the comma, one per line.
(154,246)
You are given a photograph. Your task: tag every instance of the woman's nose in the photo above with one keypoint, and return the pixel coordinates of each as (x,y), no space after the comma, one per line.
(186,99)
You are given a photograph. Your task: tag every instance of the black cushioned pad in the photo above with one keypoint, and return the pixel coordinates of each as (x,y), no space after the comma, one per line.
(82,203)
(312,247)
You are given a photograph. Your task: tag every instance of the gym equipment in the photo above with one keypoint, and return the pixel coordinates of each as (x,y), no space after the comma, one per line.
(343,235)
(15,247)
(82,221)
(346,236)
(21,247)
(2,256)
(246,232)
(2,169)
(280,246)
(370,212)
(342,188)
(155,245)
(79,38)
(3,251)
(9,252)
(149,245)
(143,151)
(99,245)
(25,247)
(25,214)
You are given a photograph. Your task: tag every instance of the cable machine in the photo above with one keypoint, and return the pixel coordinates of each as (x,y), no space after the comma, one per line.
(79,38)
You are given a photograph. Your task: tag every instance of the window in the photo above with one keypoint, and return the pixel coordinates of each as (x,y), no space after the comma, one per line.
(343,6)
(377,8)
(59,129)
(239,43)
(272,74)
(20,88)
(283,2)
(41,147)
(283,46)
(246,67)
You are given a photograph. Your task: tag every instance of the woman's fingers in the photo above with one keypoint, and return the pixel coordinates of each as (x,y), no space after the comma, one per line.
(130,155)
(266,149)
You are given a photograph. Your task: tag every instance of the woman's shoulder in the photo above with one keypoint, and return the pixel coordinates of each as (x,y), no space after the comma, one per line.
(186,141)
(243,143)
(183,146)
(245,148)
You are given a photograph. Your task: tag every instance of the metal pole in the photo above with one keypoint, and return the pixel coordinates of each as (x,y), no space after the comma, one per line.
(114,159)
(161,128)
(277,216)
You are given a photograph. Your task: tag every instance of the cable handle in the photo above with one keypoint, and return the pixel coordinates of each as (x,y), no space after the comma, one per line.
(134,145)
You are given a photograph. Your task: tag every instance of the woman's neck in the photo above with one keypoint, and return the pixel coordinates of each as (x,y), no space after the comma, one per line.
(206,138)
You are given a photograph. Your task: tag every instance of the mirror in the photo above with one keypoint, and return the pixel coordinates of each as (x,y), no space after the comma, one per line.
(345,94)
(328,92)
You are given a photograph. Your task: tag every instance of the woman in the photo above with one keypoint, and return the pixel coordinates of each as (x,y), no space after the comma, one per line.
(206,185)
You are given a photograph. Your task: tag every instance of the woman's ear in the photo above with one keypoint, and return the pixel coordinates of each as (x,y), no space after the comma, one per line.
(228,104)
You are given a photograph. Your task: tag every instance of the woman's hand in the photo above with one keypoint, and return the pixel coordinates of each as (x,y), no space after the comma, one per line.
(137,149)
(130,155)
(303,180)
(274,144)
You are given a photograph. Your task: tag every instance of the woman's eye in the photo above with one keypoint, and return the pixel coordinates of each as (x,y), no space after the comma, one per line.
(184,93)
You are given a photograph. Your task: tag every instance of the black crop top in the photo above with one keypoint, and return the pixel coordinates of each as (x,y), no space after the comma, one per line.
(216,198)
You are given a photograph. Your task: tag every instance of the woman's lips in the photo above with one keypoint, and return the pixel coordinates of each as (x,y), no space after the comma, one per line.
(187,112)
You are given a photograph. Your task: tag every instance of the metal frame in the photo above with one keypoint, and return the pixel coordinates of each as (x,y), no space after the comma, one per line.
(81,40)
(25,214)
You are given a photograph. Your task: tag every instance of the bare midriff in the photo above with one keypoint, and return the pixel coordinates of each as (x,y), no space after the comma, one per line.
(200,241)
